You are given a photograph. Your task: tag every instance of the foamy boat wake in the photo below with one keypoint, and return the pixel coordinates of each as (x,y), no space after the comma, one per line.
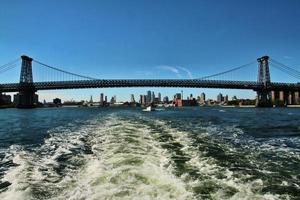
(114,157)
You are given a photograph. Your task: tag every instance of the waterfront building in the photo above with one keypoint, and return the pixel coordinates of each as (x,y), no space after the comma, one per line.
(177,96)
(143,99)
(188,102)
(148,98)
(132,99)
(91,99)
(202,97)
(179,102)
(57,101)
(159,97)
(219,98)
(112,100)
(225,99)
(101,99)
(156,101)
(5,99)
(152,97)
(166,99)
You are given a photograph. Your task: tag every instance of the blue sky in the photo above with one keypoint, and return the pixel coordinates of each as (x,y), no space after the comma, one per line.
(149,39)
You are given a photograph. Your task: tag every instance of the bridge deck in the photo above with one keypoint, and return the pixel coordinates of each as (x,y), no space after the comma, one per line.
(186,83)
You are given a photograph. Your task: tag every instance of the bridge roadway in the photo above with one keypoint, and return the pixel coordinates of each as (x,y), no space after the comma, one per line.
(110,83)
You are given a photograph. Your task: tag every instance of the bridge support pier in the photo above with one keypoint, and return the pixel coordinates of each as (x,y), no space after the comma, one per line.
(263,99)
(26,99)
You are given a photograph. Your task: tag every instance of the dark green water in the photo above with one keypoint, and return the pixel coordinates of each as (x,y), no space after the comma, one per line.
(190,153)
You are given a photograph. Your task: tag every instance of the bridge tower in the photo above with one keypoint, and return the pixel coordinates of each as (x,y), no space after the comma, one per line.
(26,98)
(264,96)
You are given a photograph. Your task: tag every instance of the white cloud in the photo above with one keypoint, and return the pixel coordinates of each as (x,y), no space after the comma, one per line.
(176,70)
(170,69)
(187,71)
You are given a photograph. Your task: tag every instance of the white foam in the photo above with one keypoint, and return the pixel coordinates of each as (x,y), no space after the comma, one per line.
(127,163)
(207,167)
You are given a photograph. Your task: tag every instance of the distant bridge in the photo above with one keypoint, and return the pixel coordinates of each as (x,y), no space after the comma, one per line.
(266,90)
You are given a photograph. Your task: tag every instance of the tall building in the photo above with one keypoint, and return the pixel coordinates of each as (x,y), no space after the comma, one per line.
(225,98)
(202,97)
(132,99)
(91,99)
(105,99)
(191,96)
(148,98)
(101,99)
(143,99)
(152,97)
(159,97)
(113,99)
(220,97)
(166,99)
(177,96)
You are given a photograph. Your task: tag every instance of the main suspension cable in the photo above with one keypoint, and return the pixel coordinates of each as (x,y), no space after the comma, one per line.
(63,71)
(228,71)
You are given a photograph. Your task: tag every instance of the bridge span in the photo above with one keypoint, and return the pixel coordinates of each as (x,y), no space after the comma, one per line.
(179,83)
(266,90)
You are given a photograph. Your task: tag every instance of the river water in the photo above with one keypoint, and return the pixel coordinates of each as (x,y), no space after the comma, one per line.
(188,153)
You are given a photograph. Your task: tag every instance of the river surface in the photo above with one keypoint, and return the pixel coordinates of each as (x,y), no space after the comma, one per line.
(188,153)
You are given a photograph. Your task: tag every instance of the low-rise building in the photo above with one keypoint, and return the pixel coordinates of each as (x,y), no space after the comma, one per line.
(5,99)
(57,101)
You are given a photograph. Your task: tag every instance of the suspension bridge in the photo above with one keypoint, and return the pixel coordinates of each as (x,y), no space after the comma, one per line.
(267,92)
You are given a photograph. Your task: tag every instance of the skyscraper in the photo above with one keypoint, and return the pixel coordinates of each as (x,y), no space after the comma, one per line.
(159,97)
(143,99)
(152,97)
(101,99)
(220,97)
(166,99)
(132,99)
(202,97)
(148,98)
(225,98)
(112,100)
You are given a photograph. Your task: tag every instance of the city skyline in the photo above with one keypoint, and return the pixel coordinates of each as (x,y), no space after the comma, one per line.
(157,95)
